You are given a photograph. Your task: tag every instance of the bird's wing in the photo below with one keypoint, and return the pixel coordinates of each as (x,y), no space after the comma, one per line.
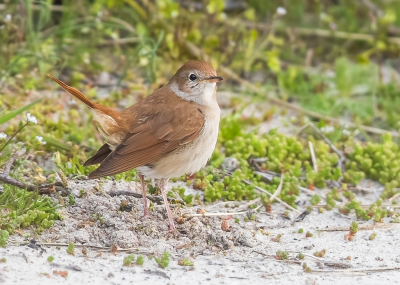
(100,155)
(156,135)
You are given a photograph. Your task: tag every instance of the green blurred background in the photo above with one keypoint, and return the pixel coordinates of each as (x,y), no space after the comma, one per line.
(338,58)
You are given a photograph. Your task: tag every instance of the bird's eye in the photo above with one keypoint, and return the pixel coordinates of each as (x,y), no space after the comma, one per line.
(192,77)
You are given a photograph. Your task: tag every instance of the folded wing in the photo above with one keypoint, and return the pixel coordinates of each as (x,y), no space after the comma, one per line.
(159,134)
(100,155)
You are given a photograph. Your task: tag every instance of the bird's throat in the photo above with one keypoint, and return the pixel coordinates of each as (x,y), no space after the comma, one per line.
(203,96)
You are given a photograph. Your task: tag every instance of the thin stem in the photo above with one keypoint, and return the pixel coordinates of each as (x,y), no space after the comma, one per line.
(1,149)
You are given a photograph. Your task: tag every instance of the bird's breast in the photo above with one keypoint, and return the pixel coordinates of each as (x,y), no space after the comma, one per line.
(189,158)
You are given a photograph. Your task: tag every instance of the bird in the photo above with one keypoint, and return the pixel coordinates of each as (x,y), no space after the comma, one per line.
(167,134)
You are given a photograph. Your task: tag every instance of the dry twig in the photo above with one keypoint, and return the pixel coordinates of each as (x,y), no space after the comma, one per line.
(313,157)
(310,192)
(277,191)
(277,199)
(58,244)
(363,227)
(355,270)
(244,206)
(395,196)
(325,262)
(362,206)
(309,255)
(342,158)
(154,199)
(266,192)
(188,215)
(225,203)
(274,174)
(6,178)
(98,248)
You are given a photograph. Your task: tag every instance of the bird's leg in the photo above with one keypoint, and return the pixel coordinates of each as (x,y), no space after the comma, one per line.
(146,212)
(163,186)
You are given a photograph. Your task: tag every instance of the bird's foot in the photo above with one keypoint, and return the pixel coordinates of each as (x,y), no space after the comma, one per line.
(146,215)
(171,227)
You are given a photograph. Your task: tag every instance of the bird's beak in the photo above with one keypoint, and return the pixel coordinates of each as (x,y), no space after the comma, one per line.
(213,79)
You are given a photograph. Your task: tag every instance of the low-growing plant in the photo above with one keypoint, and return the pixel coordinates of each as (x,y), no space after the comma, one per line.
(164,260)
(353,231)
(306,268)
(372,236)
(315,199)
(188,199)
(3,238)
(186,262)
(320,253)
(281,255)
(71,199)
(129,259)
(71,248)
(23,208)
(140,260)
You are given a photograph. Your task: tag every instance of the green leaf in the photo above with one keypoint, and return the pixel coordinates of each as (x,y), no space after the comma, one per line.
(6,117)
(59,145)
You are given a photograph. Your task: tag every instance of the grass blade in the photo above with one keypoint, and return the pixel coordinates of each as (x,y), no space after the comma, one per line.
(6,117)
(59,145)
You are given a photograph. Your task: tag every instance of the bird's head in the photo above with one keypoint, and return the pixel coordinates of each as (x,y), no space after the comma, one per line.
(196,81)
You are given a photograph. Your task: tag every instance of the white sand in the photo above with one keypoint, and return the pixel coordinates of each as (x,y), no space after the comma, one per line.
(204,241)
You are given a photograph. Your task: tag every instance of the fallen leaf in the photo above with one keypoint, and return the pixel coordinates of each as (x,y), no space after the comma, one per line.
(60,273)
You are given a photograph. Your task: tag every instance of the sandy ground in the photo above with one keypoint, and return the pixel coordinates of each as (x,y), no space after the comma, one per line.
(242,255)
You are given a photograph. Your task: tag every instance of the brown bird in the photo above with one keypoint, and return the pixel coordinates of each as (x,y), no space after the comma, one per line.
(169,133)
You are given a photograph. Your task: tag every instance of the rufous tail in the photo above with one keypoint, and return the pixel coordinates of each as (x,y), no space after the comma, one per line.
(73,91)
